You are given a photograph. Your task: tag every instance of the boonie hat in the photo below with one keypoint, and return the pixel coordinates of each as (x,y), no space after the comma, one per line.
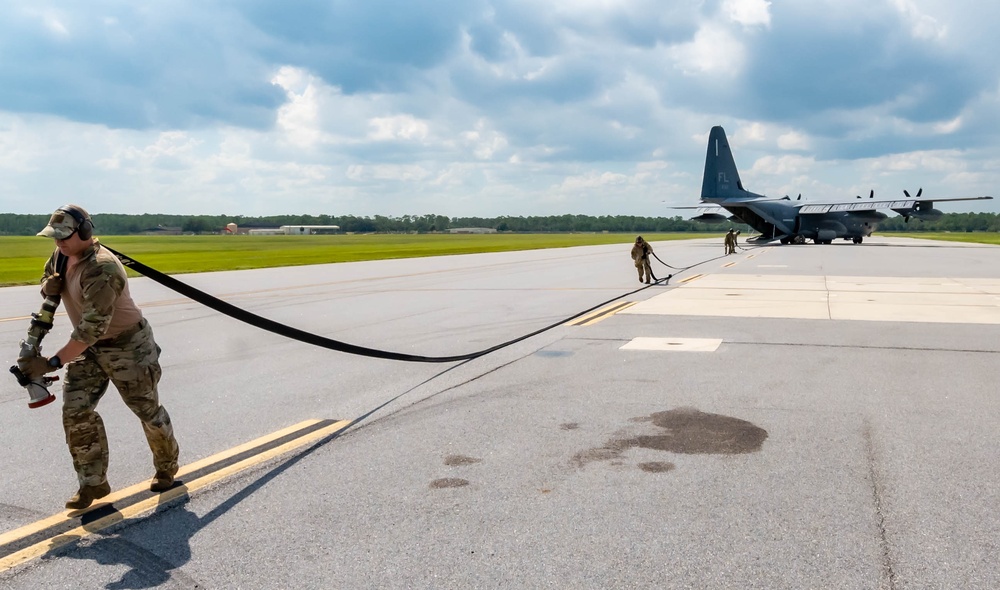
(62,224)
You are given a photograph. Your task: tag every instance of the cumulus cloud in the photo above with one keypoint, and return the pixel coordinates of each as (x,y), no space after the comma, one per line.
(748,12)
(793,141)
(403,127)
(485,106)
(783,165)
(713,51)
(922,26)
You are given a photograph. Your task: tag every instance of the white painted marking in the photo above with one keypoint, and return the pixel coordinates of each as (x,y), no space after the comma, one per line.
(674,344)
(886,299)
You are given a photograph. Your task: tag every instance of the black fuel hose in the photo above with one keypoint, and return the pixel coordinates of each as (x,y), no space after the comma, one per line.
(322,341)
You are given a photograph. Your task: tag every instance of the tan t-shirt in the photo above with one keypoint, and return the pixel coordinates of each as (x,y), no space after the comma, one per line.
(96,295)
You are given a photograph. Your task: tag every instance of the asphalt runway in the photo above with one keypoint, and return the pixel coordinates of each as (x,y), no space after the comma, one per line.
(786,417)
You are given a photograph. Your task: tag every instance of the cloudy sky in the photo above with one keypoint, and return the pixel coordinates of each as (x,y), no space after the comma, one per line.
(489,107)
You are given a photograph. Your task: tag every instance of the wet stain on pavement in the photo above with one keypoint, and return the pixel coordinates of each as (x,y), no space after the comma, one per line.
(692,432)
(458,460)
(656,467)
(685,431)
(598,454)
(449,482)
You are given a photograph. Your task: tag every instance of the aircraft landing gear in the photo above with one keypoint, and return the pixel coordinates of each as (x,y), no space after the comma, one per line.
(858,240)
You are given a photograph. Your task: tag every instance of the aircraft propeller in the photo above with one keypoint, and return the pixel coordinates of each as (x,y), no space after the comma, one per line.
(871,195)
(906,218)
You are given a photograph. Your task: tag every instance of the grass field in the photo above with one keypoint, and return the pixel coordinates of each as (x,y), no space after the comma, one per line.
(968,237)
(22,258)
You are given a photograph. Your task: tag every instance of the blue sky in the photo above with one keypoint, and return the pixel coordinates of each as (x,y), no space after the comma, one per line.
(489,107)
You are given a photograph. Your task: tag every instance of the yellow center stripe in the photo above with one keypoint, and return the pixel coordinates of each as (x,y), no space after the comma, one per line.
(600,313)
(150,504)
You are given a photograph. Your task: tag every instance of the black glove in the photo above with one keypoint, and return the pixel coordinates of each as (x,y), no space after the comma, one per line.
(35,366)
(52,285)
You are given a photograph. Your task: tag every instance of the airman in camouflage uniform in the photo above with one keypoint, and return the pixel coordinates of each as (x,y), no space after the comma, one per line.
(111,343)
(640,256)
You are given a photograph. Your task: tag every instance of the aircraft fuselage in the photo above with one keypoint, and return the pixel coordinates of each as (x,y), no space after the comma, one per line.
(779,219)
(796,221)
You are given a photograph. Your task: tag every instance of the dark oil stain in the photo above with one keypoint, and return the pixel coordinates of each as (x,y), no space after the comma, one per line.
(686,431)
(569,426)
(656,467)
(598,454)
(449,482)
(553,353)
(457,460)
(692,432)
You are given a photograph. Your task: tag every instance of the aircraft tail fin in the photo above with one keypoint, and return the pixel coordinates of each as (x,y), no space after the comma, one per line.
(721,181)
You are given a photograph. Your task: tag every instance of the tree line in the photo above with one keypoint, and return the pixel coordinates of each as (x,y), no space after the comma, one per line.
(12,224)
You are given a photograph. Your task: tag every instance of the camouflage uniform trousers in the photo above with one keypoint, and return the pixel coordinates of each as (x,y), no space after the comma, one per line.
(642,265)
(131,363)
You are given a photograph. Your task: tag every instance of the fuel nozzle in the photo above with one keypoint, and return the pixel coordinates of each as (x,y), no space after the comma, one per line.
(41,323)
(38,389)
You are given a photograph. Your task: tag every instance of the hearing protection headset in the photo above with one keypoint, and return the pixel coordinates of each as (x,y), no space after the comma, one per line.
(84,226)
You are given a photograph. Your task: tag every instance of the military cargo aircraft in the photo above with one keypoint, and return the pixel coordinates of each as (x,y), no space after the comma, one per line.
(795,221)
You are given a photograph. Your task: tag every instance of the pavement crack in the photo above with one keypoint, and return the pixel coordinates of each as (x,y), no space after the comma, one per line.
(887,574)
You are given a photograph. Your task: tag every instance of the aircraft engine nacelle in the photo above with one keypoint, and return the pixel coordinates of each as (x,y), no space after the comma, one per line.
(927,214)
(709,218)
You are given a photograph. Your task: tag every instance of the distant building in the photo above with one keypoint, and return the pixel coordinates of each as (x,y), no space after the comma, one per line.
(162,231)
(295,230)
(472,230)
(305,230)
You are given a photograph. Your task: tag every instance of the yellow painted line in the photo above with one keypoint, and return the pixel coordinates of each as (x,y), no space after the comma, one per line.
(610,313)
(149,504)
(607,309)
(728,265)
(28,317)
(55,519)
(689,279)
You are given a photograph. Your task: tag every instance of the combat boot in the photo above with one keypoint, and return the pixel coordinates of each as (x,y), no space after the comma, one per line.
(86,495)
(162,481)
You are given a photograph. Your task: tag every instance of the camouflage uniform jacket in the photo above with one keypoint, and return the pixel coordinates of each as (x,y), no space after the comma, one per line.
(641,253)
(96,295)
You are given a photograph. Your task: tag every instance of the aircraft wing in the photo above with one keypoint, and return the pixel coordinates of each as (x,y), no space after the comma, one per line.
(898,205)
(707,212)
(708,207)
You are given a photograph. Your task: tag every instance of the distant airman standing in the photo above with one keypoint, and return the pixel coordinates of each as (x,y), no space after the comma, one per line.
(730,242)
(641,251)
